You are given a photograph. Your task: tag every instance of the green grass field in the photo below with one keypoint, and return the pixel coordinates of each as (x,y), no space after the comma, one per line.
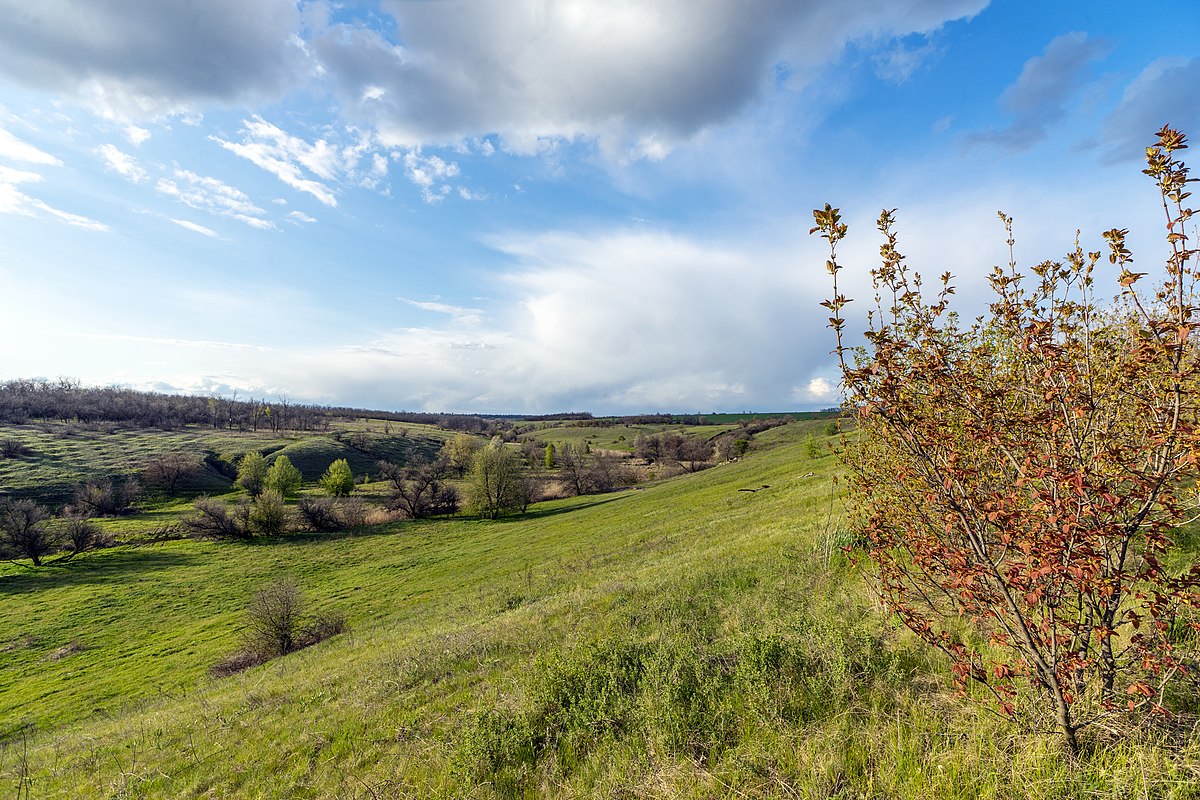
(688,639)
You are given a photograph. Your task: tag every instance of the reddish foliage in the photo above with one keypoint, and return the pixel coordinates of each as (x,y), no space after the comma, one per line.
(1018,481)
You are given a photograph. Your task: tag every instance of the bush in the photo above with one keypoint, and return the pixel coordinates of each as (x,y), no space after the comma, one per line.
(81,534)
(1028,475)
(320,514)
(418,490)
(269,515)
(11,447)
(105,498)
(215,519)
(275,626)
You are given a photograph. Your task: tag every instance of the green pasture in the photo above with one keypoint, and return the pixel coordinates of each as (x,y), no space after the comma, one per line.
(701,637)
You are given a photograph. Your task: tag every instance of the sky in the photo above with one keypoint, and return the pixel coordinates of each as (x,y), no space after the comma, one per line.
(536,206)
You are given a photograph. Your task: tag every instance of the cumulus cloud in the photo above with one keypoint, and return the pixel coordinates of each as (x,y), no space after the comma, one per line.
(430,173)
(639,77)
(817,390)
(213,196)
(1167,90)
(136,135)
(141,58)
(1041,93)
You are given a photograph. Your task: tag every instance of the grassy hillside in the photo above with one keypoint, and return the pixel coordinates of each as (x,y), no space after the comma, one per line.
(690,639)
(63,455)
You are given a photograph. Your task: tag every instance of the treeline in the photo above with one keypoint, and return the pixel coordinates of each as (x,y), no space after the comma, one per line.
(65,399)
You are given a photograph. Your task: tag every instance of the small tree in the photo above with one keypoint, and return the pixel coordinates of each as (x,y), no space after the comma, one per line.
(252,472)
(418,490)
(24,531)
(1026,474)
(496,485)
(283,477)
(549,457)
(81,534)
(338,480)
(169,471)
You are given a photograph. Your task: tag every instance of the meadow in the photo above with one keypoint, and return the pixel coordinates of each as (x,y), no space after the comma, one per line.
(701,636)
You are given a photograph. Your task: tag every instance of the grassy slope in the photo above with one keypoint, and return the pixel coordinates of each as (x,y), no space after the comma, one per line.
(64,455)
(479,659)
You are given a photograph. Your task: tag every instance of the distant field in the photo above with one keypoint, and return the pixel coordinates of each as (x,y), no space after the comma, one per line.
(66,454)
(701,637)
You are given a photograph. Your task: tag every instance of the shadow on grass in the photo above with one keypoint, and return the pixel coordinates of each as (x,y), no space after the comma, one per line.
(116,564)
(543,513)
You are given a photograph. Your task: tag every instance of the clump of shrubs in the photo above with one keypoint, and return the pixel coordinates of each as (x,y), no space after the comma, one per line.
(265,515)
(11,447)
(275,625)
(327,515)
(105,497)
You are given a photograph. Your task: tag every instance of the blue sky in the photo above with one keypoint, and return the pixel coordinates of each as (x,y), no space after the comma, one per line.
(541,205)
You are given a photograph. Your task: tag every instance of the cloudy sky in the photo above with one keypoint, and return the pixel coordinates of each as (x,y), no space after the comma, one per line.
(541,205)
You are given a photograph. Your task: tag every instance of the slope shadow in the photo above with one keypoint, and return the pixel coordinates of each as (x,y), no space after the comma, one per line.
(116,564)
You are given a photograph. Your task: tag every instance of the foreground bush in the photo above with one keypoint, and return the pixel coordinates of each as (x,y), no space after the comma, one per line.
(1026,475)
(275,626)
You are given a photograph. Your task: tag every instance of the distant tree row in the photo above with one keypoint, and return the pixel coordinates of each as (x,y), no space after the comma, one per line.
(68,400)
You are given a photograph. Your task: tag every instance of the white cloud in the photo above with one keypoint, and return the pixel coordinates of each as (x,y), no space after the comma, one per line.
(214,196)
(638,76)
(75,220)
(901,62)
(460,314)
(300,217)
(288,157)
(13,149)
(817,390)
(191,226)
(121,163)
(430,173)
(14,201)
(136,135)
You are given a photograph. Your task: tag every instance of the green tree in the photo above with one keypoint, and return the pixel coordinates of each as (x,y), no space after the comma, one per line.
(496,484)
(283,477)
(459,451)
(338,480)
(550,455)
(252,472)
(1018,484)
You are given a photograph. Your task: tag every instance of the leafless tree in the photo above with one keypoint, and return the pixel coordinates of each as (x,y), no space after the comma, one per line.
(24,531)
